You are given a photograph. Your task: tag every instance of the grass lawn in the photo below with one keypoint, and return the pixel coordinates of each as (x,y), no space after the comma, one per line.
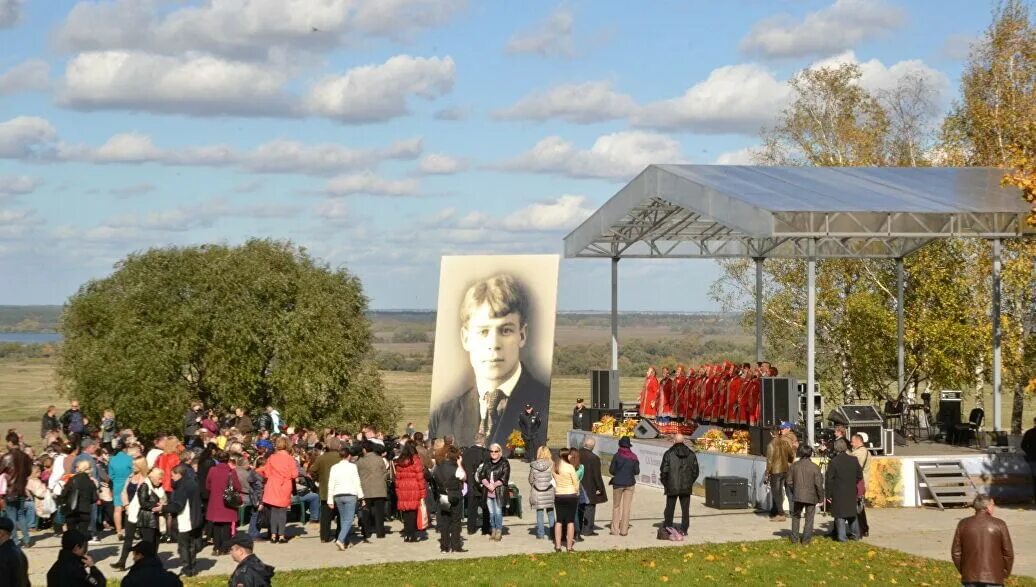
(771,562)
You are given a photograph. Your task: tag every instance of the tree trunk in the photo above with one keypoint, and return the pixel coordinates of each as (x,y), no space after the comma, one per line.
(1017,406)
(980,382)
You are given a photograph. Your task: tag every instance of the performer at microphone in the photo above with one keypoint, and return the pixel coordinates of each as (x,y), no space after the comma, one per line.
(682,392)
(649,394)
(665,396)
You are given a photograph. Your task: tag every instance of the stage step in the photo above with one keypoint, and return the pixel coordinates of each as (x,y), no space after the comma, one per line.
(946,481)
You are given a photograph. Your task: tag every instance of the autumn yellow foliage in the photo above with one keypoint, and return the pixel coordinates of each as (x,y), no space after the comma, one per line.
(885,483)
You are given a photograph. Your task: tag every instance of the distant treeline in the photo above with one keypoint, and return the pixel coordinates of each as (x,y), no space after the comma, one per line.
(18,350)
(30,318)
(706,323)
(635,355)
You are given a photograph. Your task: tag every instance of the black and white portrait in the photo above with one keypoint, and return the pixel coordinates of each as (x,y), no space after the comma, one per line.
(494,343)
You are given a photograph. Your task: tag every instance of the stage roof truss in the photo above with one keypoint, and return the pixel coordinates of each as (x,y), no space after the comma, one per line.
(696,211)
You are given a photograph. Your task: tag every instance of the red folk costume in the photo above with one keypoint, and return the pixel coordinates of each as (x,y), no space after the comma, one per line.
(754,405)
(683,389)
(744,398)
(733,394)
(665,399)
(649,397)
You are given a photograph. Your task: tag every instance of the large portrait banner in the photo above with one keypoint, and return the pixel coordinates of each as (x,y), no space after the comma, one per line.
(494,347)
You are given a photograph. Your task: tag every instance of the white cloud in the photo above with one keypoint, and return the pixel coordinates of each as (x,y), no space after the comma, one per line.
(10,12)
(834,28)
(585,102)
(744,156)
(440,164)
(563,213)
(877,77)
(25,136)
(616,156)
(374,93)
(17,185)
(550,38)
(136,189)
(195,85)
(733,99)
(192,216)
(28,76)
(367,183)
(454,113)
(335,211)
(35,138)
(247,29)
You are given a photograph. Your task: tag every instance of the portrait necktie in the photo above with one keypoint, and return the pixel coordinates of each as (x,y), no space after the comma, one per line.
(494,409)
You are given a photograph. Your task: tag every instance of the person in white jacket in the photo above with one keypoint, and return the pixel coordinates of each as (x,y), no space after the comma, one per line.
(344,491)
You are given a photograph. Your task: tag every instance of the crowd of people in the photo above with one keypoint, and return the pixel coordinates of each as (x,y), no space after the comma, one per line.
(724,393)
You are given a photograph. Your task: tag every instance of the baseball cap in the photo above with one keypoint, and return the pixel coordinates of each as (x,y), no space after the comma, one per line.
(145,548)
(785,425)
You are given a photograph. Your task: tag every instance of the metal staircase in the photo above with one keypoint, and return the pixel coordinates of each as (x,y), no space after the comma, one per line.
(947,482)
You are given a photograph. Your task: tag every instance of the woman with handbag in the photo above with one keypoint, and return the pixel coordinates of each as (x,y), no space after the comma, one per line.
(493,476)
(142,495)
(224,489)
(80,497)
(280,472)
(449,478)
(410,489)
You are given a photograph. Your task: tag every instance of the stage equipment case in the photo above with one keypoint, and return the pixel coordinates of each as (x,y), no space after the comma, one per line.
(726,493)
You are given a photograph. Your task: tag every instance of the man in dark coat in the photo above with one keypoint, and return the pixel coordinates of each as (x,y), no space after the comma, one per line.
(593,485)
(49,422)
(147,569)
(678,472)
(580,415)
(494,327)
(185,504)
(843,472)
(529,424)
(192,422)
(74,567)
(472,458)
(1029,448)
(14,567)
(320,470)
(250,571)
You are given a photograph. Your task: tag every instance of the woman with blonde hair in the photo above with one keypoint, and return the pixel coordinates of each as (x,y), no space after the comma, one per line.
(143,492)
(566,500)
(541,495)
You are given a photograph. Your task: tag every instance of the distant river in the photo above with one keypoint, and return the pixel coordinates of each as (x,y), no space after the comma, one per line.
(30,337)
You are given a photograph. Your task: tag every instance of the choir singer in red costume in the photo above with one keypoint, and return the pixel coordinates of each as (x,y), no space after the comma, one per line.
(649,394)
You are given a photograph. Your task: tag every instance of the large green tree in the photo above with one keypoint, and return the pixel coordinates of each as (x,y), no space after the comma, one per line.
(994,124)
(253,325)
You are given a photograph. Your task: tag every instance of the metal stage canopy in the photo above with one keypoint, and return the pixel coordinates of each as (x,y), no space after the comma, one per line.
(729,211)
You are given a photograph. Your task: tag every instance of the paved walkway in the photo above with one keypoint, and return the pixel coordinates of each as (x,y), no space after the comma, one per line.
(919,531)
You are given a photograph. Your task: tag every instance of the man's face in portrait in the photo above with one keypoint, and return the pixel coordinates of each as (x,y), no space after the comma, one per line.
(493,344)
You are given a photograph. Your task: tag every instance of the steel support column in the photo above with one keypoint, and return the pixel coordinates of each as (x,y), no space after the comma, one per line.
(997,424)
(758,309)
(900,348)
(811,340)
(614,375)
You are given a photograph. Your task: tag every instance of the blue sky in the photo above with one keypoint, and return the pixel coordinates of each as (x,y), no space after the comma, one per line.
(384,134)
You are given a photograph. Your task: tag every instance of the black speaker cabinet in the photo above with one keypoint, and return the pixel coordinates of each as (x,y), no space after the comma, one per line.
(780,402)
(601,396)
(949,412)
(726,493)
(645,430)
(758,440)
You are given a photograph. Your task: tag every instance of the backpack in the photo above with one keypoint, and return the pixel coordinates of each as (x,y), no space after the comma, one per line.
(669,533)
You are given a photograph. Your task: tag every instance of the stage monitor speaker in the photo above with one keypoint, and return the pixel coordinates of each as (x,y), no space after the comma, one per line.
(726,493)
(759,439)
(601,396)
(780,402)
(645,430)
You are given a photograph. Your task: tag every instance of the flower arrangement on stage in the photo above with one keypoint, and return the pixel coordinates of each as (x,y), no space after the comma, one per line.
(606,427)
(515,440)
(716,440)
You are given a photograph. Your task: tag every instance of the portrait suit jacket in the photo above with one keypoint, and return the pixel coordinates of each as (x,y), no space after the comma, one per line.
(461,415)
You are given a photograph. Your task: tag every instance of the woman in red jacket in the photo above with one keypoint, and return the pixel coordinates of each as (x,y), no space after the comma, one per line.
(217,512)
(410,489)
(280,471)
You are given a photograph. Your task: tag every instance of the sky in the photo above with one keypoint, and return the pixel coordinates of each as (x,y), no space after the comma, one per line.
(384,134)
